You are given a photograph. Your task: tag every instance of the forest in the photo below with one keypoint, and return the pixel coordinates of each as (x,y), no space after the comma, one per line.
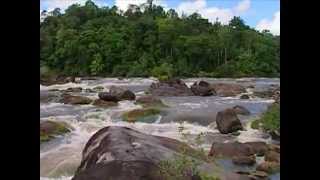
(147,40)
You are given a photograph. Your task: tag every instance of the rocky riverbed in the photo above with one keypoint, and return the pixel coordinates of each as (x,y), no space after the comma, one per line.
(141,107)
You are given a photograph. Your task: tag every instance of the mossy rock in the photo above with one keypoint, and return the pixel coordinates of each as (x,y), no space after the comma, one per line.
(50,129)
(142,115)
(150,102)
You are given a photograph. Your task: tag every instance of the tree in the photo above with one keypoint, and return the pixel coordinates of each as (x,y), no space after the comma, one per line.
(148,40)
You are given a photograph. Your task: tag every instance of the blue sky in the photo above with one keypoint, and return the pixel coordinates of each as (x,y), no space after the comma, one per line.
(260,14)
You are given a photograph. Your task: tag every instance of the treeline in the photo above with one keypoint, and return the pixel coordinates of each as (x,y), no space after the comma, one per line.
(146,40)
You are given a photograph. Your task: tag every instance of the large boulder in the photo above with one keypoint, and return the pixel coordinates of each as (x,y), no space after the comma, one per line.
(241,110)
(227,121)
(174,87)
(121,93)
(225,89)
(50,129)
(119,153)
(75,100)
(202,88)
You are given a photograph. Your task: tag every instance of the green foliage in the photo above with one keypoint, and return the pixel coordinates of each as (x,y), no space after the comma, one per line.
(184,165)
(163,72)
(270,120)
(97,65)
(146,40)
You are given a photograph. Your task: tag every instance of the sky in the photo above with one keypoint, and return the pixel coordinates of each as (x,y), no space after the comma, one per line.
(259,14)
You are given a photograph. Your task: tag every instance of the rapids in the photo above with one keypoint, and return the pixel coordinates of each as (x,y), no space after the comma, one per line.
(60,157)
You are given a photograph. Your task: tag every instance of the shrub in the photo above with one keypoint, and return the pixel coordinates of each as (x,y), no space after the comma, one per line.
(163,72)
(270,120)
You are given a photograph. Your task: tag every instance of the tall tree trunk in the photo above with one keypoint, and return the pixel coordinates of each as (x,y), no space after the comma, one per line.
(225,55)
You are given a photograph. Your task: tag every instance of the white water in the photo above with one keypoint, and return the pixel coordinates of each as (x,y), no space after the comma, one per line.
(60,157)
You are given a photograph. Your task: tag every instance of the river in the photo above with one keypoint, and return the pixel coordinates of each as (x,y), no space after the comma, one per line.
(60,157)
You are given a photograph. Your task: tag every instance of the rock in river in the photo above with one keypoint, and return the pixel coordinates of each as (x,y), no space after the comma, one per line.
(237,149)
(174,87)
(50,129)
(104,104)
(121,93)
(70,99)
(150,101)
(202,88)
(119,153)
(227,121)
(224,89)
(106,96)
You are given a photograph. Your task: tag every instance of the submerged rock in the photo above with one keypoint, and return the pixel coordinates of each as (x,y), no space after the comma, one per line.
(227,121)
(150,101)
(202,88)
(244,96)
(174,87)
(144,115)
(50,129)
(75,100)
(224,89)
(104,104)
(75,89)
(98,88)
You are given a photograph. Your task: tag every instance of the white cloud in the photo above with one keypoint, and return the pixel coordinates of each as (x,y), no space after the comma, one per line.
(242,6)
(212,13)
(124,4)
(63,4)
(272,25)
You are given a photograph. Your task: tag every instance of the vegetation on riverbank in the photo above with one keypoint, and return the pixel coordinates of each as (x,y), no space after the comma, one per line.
(146,40)
(270,120)
(184,165)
